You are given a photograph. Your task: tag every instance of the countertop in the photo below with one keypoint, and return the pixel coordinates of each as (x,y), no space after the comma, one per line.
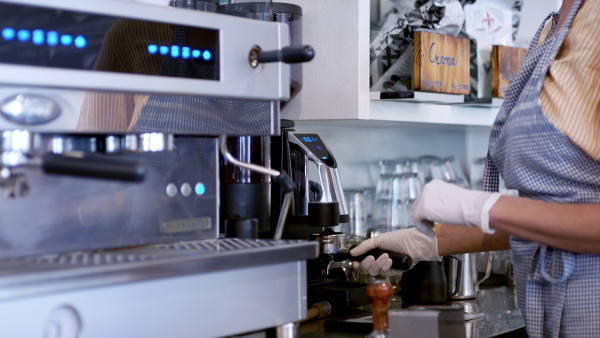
(495,309)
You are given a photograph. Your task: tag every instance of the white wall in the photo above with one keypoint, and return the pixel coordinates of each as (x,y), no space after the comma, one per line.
(533,14)
(359,145)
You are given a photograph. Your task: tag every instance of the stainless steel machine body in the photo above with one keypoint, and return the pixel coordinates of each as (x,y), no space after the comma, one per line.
(110,114)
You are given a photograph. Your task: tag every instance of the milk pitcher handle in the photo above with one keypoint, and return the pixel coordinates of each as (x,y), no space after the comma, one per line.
(458,276)
(488,269)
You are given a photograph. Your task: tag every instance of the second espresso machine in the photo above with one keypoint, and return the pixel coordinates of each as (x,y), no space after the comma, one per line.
(319,207)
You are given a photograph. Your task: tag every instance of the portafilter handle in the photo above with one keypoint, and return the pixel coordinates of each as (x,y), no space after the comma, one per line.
(96,166)
(400,261)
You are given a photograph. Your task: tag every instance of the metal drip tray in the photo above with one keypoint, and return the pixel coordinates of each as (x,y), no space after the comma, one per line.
(34,275)
(222,245)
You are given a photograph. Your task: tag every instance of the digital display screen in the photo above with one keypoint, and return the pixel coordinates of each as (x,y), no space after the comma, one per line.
(314,143)
(37,36)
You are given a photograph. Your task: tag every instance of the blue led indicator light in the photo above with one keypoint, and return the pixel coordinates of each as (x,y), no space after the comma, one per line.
(206,55)
(324,157)
(319,147)
(309,139)
(52,38)
(66,40)
(8,34)
(23,35)
(185,52)
(80,42)
(175,51)
(200,189)
(196,53)
(37,37)
(164,50)
(152,49)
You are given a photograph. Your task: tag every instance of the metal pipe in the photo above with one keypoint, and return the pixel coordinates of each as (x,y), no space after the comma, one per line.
(287,201)
(250,166)
(281,178)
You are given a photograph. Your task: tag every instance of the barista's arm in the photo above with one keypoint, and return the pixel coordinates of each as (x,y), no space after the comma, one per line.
(455,239)
(572,227)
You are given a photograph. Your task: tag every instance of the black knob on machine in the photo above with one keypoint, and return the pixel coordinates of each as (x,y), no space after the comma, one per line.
(291,54)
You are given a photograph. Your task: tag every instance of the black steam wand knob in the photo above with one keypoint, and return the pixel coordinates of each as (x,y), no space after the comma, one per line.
(291,54)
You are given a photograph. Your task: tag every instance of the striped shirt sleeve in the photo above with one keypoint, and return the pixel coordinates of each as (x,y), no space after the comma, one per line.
(570,95)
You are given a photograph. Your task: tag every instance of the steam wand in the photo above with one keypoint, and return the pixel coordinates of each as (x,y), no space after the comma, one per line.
(280,177)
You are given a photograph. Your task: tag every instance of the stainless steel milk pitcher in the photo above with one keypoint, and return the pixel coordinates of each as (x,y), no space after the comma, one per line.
(465,277)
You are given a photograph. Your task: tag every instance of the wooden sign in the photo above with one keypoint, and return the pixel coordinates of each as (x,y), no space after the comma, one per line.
(441,64)
(506,62)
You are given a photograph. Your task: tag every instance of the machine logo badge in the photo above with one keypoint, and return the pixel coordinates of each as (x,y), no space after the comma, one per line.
(185,225)
(29,109)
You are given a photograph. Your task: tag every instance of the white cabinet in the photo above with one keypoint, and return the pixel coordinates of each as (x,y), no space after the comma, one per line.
(336,82)
(335,99)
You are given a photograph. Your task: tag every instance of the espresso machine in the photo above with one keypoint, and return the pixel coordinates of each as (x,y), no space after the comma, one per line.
(114,119)
(316,176)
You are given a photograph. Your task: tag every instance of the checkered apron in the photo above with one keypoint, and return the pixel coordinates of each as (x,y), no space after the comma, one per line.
(558,291)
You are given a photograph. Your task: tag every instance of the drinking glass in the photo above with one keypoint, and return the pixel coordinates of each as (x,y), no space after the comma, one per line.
(387,213)
(394,196)
(449,170)
(355,200)
(457,172)
(477,174)
(392,166)
(412,189)
(402,165)
(425,164)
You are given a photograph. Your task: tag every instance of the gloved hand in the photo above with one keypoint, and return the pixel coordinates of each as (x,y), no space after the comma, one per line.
(412,242)
(441,202)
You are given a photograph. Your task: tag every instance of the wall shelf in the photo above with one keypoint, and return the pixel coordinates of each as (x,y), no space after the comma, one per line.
(494,102)
(417,97)
(432,113)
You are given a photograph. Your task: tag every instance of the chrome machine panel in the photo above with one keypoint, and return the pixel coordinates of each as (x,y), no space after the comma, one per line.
(110,118)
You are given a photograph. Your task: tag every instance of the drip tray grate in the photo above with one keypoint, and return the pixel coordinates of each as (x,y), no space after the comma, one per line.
(148,253)
(27,276)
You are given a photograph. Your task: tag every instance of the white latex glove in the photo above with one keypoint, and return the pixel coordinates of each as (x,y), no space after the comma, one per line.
(441,202)
(412,242)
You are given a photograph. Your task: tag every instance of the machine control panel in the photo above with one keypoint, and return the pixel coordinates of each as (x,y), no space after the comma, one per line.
(314,143)
(38,36)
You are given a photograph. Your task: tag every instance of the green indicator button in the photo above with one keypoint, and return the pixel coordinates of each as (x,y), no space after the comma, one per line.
(200,189)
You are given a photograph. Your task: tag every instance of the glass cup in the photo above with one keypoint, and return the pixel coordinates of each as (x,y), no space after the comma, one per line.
(476,176)
(449,170)
(425,164)
(355,200)
(412,189)
(394,196)
(402,165)
(457,172)
(387,213)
